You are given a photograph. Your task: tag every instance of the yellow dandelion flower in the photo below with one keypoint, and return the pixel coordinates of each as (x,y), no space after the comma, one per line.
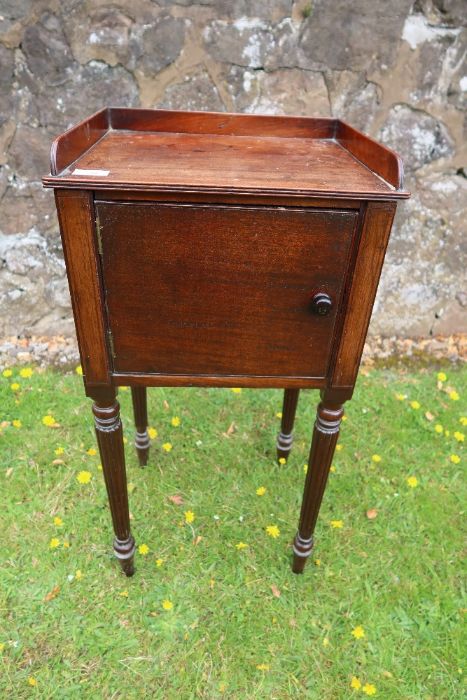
(175,421)
(54,543)
(152,432)
(32,681)
(58,521)
(261,490)
(84,477)
(282,460)
(305,468)
(78,574)
(26,372)
(125,440)
(91,452)
(189,516)
(124,593)
(454,396)
(241,545)
(326,642)
(16,423)
(159,562)
(79,370)
(48,420)
(358,632)
(167,604)
(7,373)
(412,481)
(332,468)
(14,386)
(279,414)
(441,377)
(143,549)
(59,450)
(458,435)
(339,447)
(123,388)
(2,646)
(376,458)
(273,531)
(317,562)
(99,467)
(401,397)
(344,417)
(167,446)
(463,420)
(369,689)
(439,428)
(262,667)
(455,459)
(355,683)
(337,523)
(66,544)
(236,390)
(415,405)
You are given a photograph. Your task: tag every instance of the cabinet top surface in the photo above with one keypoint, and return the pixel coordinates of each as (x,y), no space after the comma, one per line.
(132,149)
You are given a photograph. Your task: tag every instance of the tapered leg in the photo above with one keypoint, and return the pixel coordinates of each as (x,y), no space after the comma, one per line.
(325,434)
(110,440)
(140,410)
(285,437)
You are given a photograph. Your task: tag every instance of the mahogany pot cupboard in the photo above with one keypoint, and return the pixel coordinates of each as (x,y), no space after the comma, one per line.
(222,250)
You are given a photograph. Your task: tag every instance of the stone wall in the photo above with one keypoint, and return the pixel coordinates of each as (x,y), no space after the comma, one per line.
(394,69)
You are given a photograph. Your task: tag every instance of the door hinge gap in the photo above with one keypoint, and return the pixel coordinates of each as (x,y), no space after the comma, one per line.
(99,236)
(111,343)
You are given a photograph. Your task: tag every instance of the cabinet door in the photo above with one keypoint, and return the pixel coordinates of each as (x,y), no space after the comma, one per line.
(222,290)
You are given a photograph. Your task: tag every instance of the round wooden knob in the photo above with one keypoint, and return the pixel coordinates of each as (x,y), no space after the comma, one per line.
(321,304)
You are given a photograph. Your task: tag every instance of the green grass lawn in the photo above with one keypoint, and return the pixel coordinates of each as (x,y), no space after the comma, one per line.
(203,618)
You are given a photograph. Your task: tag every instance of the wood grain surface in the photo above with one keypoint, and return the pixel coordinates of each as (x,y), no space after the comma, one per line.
(149,160)
(374,239)
(222,290)
(161,150)
(76,217)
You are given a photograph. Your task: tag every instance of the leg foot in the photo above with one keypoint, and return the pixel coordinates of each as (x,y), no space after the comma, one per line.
(110,440)
(325,434)
(140,410)
(301,551)
(285,437)
(125,553)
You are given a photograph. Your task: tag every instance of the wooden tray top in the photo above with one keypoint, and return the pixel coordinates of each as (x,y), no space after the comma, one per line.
(159,150)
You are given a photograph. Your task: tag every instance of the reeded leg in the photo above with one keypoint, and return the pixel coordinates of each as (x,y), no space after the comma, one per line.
(110,440)
(140,410)
(285,437)
(325,434)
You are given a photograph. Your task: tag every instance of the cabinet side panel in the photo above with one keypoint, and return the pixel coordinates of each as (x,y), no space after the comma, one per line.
(75,212)
(372,248)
